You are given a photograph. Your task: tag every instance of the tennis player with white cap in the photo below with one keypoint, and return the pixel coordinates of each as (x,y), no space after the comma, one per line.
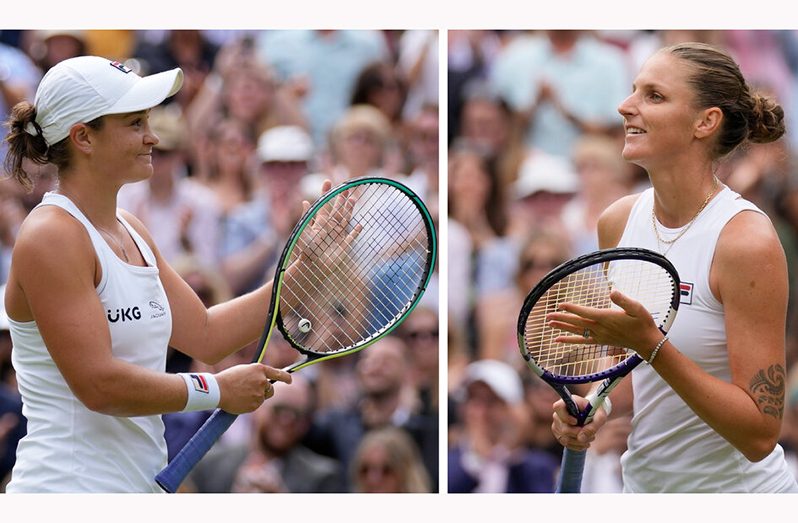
(92,304)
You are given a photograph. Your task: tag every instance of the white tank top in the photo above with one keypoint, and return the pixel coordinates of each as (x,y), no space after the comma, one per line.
(670,449)
(69,448)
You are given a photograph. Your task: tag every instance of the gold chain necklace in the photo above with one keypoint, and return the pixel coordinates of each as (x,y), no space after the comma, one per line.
(107,235)
(115,240)
(670,243)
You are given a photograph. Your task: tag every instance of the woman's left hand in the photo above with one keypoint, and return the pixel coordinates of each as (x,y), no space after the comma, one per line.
(630,327)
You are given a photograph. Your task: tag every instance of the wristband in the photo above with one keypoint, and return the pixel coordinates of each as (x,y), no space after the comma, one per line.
(203,391)
(650,359)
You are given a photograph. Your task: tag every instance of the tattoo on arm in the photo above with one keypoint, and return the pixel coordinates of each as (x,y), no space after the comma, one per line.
(767,388)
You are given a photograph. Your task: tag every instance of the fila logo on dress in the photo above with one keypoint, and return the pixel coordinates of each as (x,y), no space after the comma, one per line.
(686,293)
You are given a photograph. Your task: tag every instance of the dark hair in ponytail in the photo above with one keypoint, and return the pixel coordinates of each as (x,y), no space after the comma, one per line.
(22,145)
(718,82)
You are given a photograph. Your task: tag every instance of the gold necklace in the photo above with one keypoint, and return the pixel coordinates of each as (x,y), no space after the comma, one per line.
(689,224)
(115,240)
(107,235)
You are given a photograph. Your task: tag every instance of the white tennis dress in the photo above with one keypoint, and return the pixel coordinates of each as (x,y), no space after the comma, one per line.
(670,449)
(69,448)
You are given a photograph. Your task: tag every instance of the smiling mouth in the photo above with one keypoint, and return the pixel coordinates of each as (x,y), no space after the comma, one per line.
(634,131)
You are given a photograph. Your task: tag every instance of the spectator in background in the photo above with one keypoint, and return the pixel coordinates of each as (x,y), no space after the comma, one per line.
(263,224)
(380,86)
(471,55)
(321,65)
(488,125)
(497,312)
(386,399)
(490,456)
(273,459)
(361,143)
(545,184)
(476,204)
(418,65)
(19,77)
(603,178)
(181,213)
(48,47)
(387,461)
(420,332)
(187,49)
(421,144)
(571,83)
(243,89)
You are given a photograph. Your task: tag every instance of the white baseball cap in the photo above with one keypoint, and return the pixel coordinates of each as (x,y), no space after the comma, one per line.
(541,172)
(285,143)
(503,380)
(78,90)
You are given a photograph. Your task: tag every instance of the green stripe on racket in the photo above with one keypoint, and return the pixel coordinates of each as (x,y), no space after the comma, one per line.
(355,265)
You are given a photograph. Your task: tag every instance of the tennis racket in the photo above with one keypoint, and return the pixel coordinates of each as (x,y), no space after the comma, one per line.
(640,274)
(356,264)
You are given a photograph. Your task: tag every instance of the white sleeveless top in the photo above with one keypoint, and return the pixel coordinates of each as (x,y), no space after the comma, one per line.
(670,449)
(69,448)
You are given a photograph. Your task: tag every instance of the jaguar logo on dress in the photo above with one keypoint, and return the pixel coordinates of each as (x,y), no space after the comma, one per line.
(157,310)
(123,315)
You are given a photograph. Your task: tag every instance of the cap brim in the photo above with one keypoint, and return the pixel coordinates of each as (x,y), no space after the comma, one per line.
(148,92)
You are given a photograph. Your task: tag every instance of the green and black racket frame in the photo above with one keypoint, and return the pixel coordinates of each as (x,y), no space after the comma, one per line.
(354,267)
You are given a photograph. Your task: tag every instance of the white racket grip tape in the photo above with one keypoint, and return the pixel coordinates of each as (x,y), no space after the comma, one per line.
(200,443)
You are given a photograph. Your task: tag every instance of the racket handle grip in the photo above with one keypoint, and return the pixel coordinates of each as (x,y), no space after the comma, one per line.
(200,443)
(573,464)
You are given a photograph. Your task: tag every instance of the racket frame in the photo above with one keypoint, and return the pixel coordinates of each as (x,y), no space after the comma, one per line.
(312,357)
(573,461)
(170,478)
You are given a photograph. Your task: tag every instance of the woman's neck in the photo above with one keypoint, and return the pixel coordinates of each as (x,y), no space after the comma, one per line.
(679,194)
(96,202)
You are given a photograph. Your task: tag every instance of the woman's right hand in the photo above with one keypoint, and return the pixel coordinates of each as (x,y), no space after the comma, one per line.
(245,387)
(566,430)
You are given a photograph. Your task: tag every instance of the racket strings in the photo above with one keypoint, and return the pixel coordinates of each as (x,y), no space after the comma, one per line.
(375,280)
(591,286)
(334,283)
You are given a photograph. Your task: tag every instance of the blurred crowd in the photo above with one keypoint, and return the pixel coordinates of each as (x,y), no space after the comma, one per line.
(534,157)
(262,119)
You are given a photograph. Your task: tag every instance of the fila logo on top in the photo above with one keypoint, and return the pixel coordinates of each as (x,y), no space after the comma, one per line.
(122,67)
(686,293)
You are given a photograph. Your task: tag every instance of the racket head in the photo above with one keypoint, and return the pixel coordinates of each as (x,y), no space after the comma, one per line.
(378,279)
(641,274)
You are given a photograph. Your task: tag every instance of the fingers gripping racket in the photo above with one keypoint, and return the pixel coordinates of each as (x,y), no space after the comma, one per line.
(640,274)
(355,265)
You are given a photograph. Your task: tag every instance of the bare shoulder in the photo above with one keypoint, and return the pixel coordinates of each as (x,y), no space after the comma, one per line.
(749,254)
(613,220)
(50,231)
(52,254)
(749,235)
